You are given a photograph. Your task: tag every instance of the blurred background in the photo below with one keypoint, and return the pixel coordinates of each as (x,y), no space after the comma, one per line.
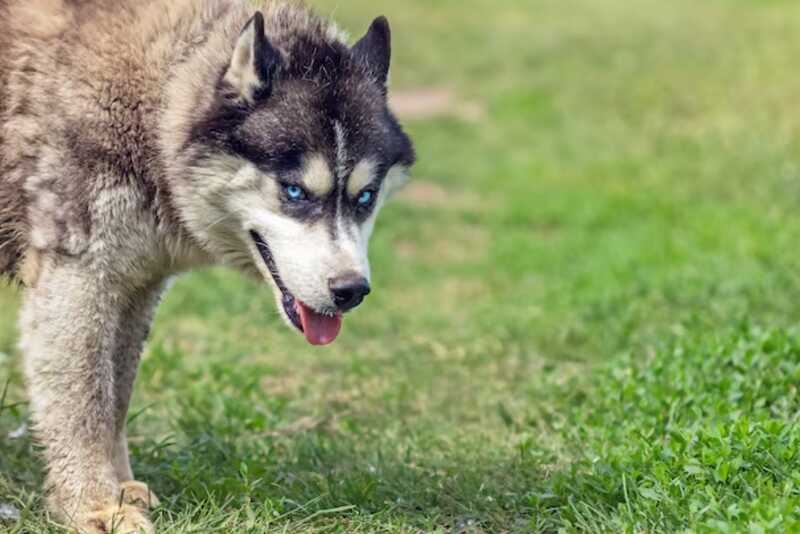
(585,308)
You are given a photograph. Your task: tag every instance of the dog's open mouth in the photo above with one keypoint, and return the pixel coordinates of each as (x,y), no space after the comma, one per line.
(319,328)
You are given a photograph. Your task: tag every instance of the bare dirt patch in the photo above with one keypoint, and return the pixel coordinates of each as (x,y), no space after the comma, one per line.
(455,244)
(432,102)
(424,193)
(428,194)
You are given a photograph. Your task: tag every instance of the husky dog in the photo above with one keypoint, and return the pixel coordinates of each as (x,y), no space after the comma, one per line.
(142,138)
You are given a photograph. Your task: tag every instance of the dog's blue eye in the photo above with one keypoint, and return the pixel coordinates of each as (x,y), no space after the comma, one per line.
(295,192)
(365,198)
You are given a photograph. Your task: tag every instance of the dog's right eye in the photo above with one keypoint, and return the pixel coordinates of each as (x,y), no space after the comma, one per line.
(295,193)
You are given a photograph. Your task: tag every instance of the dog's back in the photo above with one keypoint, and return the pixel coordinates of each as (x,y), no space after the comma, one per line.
(12,198)
(77,111)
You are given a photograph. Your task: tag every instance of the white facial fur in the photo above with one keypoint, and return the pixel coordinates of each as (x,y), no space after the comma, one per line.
(231,197)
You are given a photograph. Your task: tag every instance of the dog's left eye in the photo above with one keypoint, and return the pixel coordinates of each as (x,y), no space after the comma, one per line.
(295,192)
(366,198)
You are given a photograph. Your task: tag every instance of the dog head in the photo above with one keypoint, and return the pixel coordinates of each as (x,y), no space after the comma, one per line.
(298,153)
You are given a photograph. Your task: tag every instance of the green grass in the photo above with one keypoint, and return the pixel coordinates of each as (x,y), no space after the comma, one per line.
(588,324)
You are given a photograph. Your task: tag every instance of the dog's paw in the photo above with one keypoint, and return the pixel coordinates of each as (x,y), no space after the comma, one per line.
(124,519)
(138,494)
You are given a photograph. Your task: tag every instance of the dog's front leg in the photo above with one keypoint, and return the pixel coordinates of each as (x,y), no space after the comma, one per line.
(136,319)
(70,321)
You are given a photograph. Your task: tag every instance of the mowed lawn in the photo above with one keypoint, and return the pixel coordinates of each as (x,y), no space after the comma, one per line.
(585,309)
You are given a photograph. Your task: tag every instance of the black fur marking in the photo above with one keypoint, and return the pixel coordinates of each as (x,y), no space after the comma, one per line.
(374,50)
(309,210)
(266,60)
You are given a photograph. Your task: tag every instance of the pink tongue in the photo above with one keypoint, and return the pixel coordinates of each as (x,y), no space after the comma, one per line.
(319,329)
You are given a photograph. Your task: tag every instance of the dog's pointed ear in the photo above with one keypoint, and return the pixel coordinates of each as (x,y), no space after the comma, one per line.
(374,50)
(254,63)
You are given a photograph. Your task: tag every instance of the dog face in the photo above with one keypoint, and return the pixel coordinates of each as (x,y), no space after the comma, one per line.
(299,155)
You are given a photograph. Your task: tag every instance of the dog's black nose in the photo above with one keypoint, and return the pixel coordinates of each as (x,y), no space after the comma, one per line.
(348,290)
